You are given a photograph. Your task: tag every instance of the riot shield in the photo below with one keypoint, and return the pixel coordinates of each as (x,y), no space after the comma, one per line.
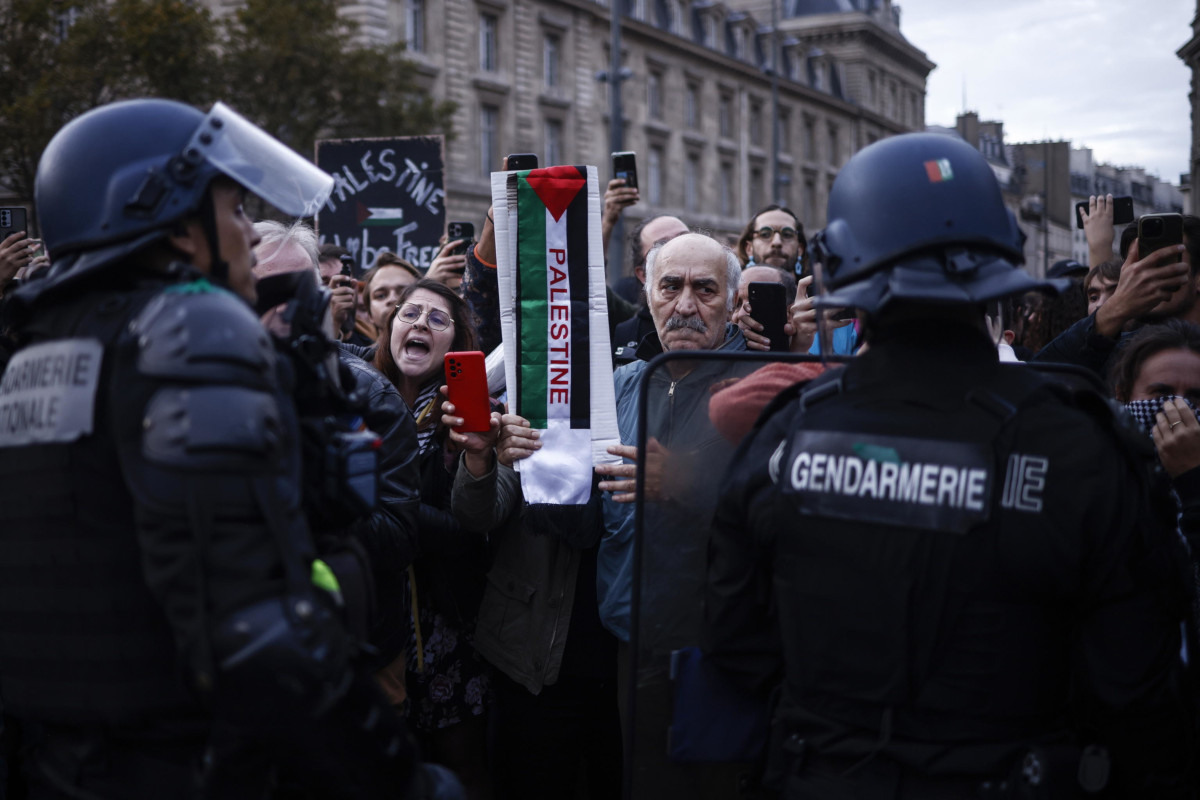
(689,730)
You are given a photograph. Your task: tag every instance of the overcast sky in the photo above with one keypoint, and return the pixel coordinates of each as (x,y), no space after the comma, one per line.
(1100,73)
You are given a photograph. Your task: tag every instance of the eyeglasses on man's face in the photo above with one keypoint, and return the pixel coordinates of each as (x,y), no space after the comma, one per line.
(766,233)
(435,318)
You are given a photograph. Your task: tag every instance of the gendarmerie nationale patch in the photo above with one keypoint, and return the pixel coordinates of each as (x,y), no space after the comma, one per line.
(918,483)
(48,392)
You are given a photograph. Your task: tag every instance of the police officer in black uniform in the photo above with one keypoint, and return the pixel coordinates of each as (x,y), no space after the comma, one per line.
(160,631)
(954,567)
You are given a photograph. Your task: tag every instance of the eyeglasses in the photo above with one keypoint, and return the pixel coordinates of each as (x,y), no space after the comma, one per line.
(435,318)
(766,233)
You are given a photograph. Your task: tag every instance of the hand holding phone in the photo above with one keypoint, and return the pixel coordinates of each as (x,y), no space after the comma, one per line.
(625,168)
(466,388)
(1156,231)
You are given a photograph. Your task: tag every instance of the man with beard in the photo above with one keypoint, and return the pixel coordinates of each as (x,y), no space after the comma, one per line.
(773,238)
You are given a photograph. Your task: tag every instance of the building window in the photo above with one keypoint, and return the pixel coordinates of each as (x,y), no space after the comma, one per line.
(414,23)
(810,200)
(893,105)
(785,130)
(654,167)
(758,194)
(810,139)
(488,25)
(691,106)
(725,115)
(739,43)
(489,140)
(835,151)
(554,142)
(551,50)
(785,187)
(756,123)
(726,205)
(872,90)
(691,183)
(681,18)
(915,102)
(654,95)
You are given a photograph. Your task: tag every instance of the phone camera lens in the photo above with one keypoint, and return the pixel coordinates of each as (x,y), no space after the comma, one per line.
(1152,228)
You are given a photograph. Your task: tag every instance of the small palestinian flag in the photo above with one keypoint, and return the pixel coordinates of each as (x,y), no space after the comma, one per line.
(554,319)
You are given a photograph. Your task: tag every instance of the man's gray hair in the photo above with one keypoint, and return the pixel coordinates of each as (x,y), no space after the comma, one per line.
(733,267)
(275,236)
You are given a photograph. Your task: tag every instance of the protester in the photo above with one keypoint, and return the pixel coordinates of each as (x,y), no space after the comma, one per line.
(381,289)
(1012,618)
(556,725)
(1100,283)
(1150,289)
(449,684)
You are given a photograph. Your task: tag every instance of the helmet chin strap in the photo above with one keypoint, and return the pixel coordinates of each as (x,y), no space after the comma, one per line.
(218,271)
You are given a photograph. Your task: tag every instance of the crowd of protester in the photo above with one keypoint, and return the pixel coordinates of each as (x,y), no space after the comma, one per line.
(502,628)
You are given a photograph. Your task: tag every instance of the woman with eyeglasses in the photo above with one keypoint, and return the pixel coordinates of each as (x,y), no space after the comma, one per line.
(448,683)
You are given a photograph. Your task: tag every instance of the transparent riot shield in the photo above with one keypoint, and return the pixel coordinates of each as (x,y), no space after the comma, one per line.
(689,730)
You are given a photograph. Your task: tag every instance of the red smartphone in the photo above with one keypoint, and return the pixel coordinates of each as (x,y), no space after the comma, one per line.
(466,383)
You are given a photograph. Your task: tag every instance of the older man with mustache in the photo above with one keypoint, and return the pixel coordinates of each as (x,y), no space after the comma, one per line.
(691,282)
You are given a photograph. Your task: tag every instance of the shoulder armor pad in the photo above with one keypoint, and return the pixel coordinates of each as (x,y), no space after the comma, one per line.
(212,428)
(203,337)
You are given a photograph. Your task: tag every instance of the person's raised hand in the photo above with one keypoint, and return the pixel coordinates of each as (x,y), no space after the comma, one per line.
(477,447)
(1143,285)
(343,292)
(1098,228)
(448,266)
(16,251)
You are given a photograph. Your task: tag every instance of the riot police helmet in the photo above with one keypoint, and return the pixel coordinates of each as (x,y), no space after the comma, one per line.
(123,175)
(919,217)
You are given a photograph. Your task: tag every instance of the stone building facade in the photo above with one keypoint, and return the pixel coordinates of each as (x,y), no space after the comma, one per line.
(696,99)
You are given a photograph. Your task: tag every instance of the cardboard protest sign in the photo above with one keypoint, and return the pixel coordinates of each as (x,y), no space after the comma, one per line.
(388,195)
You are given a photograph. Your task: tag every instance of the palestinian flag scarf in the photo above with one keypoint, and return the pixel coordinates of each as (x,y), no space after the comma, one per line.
(554,321)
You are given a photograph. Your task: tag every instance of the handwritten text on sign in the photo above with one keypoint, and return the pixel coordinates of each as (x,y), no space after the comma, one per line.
(388,195)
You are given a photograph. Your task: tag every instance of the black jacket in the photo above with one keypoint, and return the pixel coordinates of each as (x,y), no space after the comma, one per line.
(1022,590)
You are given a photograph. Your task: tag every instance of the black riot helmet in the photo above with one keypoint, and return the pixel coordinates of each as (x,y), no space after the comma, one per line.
(123,175)
(919,217)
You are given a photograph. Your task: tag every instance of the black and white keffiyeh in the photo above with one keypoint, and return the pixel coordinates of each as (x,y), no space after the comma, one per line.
(1144,412)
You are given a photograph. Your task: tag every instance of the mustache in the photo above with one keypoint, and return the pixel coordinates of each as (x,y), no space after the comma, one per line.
(675,322)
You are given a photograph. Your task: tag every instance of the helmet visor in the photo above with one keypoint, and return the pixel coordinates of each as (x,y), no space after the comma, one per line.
(259,162)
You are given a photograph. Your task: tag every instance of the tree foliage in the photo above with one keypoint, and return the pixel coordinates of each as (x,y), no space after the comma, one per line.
(288,65)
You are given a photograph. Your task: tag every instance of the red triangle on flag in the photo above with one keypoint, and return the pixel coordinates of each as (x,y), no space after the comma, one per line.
(556,187)
(361,212)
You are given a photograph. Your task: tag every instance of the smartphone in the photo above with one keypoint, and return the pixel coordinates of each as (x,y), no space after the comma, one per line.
(12,220)
(768,306)
(521,161)
(460,230)
(625,166)
(466,383)
(1156,231)
(347,265)
(1122,211)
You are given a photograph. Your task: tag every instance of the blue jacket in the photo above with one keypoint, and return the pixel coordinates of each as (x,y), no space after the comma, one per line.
(683,427)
